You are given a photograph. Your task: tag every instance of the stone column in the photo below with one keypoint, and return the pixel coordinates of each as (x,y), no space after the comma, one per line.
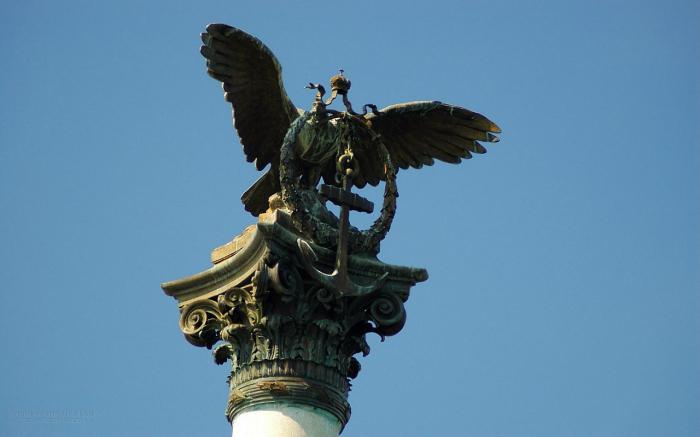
(291,343)
(281,420)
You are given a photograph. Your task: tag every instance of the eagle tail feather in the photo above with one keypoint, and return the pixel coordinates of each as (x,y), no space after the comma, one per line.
(256,197)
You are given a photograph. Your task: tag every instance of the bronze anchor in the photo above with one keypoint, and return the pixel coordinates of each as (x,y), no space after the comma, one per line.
(339,281)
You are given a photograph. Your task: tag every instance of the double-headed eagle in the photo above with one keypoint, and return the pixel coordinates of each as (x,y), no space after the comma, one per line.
(414,133)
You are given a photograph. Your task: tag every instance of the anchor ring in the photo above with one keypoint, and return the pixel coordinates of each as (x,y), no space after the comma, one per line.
(347,164)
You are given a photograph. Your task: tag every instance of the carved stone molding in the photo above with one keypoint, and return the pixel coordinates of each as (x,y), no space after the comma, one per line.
(288,338)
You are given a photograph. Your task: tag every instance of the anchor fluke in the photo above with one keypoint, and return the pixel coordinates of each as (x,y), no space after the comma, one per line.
(336,282)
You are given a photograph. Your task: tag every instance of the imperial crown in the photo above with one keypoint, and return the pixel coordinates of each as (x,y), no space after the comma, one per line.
(340,84)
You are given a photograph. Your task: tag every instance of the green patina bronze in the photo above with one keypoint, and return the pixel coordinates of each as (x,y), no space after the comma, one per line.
(289,302)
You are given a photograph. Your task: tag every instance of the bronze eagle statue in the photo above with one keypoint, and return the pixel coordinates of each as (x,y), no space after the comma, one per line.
(415,133)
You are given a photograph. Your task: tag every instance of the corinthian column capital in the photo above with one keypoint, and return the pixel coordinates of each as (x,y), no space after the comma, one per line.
(290,341)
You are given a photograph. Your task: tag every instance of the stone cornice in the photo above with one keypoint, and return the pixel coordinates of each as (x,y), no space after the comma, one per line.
(232,270)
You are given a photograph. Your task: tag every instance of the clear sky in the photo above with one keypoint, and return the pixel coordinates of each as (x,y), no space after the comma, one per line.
(564,295)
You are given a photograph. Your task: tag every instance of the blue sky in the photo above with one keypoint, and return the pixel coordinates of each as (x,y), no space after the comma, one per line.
(565,263)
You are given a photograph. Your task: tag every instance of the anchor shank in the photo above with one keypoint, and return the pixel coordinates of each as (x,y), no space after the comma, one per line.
(341,260)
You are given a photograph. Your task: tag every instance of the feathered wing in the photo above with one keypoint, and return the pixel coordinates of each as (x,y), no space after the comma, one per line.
(262,112)
(417,133)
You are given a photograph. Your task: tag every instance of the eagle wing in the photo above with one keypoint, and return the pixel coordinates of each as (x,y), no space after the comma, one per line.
(417,133)
(252,80)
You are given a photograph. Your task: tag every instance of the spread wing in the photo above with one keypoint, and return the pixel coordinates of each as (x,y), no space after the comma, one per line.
(417,133)
(252,82)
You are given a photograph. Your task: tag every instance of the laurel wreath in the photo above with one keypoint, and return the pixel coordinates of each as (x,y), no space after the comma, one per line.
(308,223)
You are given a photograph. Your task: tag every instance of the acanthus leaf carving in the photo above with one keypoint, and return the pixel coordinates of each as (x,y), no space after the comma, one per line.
(294,318)
(277,321)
